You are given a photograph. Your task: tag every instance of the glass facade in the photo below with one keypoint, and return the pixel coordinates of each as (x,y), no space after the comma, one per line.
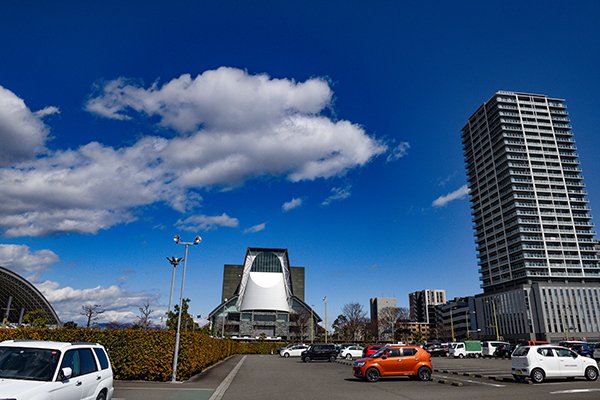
(266,262)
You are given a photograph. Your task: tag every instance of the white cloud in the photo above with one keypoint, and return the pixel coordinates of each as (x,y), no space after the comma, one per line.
(20,258)
(197,223)
(256,228)
(120,305)
(337,194)
(458,194)
(225,98)
(22,133)
(44,112)
(290,205)
(398,152)
(234,127)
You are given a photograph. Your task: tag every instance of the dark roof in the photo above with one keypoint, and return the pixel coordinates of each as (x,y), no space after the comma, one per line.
(23,296)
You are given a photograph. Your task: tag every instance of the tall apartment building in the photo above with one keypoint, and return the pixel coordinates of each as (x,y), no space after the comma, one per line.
(422,304)
(538,267)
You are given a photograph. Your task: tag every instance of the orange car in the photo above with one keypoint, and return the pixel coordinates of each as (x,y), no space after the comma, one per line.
(394,360)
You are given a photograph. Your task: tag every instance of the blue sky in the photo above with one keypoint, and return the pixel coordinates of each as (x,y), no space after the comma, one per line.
(328,128)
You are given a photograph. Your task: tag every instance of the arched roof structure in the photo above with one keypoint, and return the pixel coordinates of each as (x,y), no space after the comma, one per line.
(18,296)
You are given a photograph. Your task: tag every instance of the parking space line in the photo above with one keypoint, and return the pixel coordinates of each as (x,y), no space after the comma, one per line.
(575,391)
(220,392)
(177,388)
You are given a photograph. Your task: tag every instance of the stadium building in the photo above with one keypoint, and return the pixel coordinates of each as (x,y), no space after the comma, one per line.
(264,298)
(18,296)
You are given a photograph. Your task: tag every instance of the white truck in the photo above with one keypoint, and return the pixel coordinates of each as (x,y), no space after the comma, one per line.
(468,348)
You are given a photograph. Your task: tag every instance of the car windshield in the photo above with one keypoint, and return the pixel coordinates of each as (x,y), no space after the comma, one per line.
(378,353)
(521,351)
(28,363)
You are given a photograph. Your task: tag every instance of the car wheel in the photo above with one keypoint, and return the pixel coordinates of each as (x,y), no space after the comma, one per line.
(372,374)
(477,356)
(306,359)
(461,356)
(538,375)
(591,373)
(332,358)
(348,356)
(286,355)
(424,374)
(101,396)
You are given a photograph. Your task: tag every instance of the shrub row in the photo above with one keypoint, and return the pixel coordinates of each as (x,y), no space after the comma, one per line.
(148,354)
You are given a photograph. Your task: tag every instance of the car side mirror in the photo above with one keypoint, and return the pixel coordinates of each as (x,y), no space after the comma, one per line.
(384,357)
(65,373)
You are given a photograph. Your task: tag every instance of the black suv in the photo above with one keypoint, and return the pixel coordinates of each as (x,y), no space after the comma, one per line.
(320,351)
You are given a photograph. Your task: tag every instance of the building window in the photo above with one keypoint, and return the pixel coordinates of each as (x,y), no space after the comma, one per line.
(266,262)
(264,317)
(246,316)
(282,317)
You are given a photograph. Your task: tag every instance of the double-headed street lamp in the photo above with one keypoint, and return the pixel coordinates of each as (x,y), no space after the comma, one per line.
(177,240)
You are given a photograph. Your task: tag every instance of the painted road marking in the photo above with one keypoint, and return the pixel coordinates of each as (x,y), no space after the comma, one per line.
(220,392)
(575,391)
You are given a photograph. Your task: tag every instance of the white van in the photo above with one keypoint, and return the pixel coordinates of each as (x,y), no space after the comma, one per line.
(489,347)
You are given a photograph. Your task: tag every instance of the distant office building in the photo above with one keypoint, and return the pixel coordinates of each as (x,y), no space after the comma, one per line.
(422,304)
(539,270)
(456,320)
(377,305)
(264,298)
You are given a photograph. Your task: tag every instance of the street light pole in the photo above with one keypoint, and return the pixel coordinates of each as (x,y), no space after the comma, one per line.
(495,319)
(452,325)
(223,316)
(177,240)
(312,323)
(325,301)
(174,261)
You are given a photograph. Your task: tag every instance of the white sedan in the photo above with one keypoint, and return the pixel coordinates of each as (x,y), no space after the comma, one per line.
(294,351)
(351,352)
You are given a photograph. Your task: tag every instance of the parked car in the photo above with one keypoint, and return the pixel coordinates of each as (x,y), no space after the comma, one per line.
(368,351)
(294,351)
(596,354)
(395,360)
(351,352)
(438,350)
(489,347)
(549,361)
(504,351)
(319,351)
(579,346)
(57,370)
(289,346)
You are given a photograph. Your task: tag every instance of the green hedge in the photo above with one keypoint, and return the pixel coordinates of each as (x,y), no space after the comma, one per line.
(148,354)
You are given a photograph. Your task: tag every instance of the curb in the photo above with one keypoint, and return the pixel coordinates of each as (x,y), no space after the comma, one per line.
(447,382)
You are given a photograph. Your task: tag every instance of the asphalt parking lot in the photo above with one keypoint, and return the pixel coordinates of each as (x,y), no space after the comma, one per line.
(272,377)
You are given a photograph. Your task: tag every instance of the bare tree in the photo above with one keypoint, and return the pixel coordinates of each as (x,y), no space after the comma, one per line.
(143,320)
(91,311)
(302,321)
(389,318)
(355,319)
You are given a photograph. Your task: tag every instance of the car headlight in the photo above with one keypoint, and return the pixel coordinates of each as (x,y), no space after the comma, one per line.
(359,364)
